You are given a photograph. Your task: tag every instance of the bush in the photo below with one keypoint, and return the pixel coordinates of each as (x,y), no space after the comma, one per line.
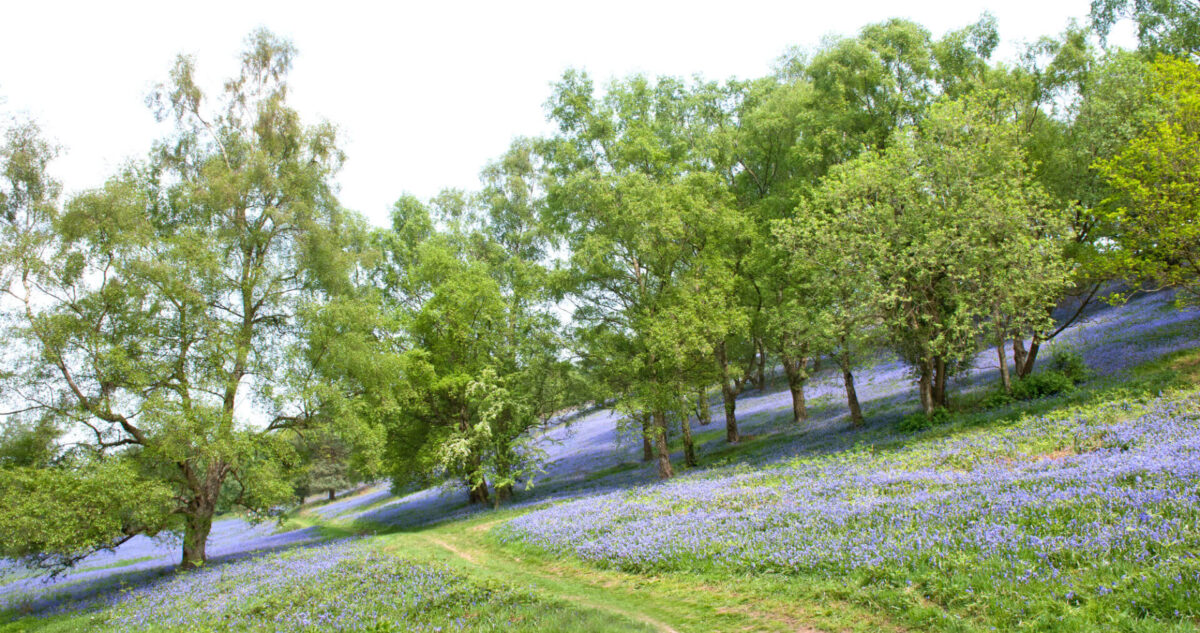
(995,400)
(1070,364)
(1042,384)
(920,422)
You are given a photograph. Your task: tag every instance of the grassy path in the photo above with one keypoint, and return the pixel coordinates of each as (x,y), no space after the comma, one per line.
(668,603)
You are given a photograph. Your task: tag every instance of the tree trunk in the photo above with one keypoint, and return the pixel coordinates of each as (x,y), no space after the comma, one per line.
(939,383)
(793,368)
(1026,367)
(703,411)
(647,434)
(925,386)
(1005,380)
(856,416)
(760,376)
(660,445)
(1019,354)
(729,396)
(332,494)
(196,527)
(479,492)
(503,493)
(731,427)
(689,447)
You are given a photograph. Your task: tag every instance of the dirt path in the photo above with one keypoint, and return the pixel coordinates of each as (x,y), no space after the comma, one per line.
(474,557)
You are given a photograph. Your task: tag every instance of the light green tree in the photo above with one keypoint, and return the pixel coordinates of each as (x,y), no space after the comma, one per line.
(948,231)
(1155,180)
(157,317)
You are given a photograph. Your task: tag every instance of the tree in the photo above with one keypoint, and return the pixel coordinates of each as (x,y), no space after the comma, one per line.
(949,232)
(1163,26)
(478,351)
(156,317)
(1156,185)
(648,226)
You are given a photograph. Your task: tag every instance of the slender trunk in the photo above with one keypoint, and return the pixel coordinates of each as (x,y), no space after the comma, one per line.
(729,396)
(1026,367)
(856,416)
(939,383)
(647,434)
(660,445)
(689,447)
(332,494)
(703,411)
(196,527)
(731,426)
(925,385)
(1005,380)
(793,368)
(760,376)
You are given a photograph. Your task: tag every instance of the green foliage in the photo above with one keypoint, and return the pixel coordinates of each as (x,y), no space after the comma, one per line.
(145,314)
(1070,364)
(652,235)
(1163,26)
(30,444)
(51,517)
(933,237)
(1042,384)
(920,421)
(1156,201)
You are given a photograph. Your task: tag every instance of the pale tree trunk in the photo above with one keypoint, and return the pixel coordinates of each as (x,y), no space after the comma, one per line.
(856,416)
(689,447)
(793,368)
(660,445)
(760,380)
(647,434)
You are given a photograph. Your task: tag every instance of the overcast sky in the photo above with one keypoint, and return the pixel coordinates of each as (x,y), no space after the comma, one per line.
(423,93)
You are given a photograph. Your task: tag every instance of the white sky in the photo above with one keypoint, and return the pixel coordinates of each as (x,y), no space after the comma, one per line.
(424,93)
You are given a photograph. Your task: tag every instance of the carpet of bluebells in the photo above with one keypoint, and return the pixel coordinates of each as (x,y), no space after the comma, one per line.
(342,585)
(1082,505)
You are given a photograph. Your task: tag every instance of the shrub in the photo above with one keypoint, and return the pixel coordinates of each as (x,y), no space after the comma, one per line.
(919,421)
(1071,364)
(995,399)
(1042,384)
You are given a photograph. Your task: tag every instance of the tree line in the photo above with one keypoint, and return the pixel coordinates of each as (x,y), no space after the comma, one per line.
(211,330)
